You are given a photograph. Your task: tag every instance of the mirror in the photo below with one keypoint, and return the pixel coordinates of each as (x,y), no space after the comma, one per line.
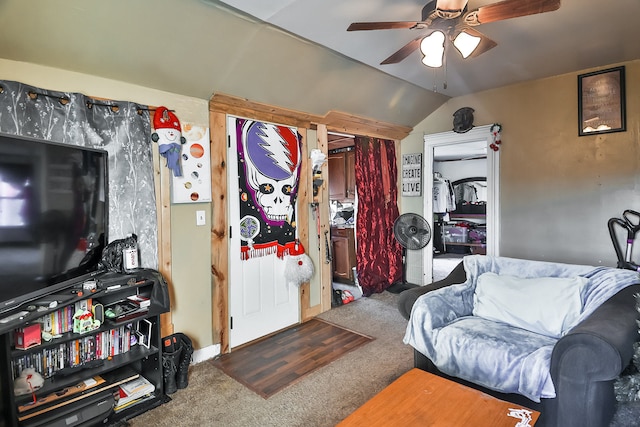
(471,195)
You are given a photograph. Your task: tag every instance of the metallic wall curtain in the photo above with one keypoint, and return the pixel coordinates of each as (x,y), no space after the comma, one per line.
(379,255)
(121,128)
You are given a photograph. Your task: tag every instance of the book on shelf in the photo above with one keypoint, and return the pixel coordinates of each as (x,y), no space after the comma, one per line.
(86,348)
(102,385)
(60,321)
(134,391)
(140,301)
(122,407)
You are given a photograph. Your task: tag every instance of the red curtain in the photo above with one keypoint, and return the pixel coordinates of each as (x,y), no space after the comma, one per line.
(378,255)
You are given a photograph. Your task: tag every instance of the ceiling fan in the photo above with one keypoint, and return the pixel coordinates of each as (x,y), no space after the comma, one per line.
(451,19)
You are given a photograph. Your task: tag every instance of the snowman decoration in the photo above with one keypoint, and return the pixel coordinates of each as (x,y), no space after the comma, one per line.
(298,267)
(169,137)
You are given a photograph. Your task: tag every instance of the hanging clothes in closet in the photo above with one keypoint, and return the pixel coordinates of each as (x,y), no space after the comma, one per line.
(466,192)
(443,198)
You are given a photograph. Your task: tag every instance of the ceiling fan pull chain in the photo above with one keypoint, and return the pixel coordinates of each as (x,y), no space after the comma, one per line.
(435,79)
(444,63)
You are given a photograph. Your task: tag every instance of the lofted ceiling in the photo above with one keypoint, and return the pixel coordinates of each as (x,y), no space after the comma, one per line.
(581,34)
(297,54)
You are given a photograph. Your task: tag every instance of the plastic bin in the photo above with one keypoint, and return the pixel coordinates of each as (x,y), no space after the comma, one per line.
(456,234)
(478,234)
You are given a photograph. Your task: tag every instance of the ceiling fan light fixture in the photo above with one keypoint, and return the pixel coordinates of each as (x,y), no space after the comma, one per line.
(432,47)
(466,43)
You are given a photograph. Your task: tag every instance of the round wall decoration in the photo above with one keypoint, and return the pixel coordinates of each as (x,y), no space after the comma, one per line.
(463,120)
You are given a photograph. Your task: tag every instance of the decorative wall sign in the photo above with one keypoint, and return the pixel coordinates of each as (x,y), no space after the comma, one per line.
(601,102)
(412,175)
(194,186)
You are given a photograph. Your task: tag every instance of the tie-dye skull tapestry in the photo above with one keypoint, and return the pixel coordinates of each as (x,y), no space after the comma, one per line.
(268,171)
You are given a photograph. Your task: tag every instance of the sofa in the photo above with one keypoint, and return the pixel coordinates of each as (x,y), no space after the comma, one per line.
(557,349)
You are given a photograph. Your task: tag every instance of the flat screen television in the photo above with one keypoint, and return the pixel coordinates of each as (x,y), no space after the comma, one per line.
(53,216)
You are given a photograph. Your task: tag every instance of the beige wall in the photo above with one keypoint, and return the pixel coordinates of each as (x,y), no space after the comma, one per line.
(191,248)
(558,190)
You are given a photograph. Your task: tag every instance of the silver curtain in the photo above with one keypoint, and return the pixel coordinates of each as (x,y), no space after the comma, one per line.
(121,128)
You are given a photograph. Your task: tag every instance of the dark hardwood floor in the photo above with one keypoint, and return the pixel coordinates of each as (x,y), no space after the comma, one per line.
(273,363)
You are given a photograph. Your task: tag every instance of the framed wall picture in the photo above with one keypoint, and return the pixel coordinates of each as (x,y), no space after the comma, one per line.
(601,102)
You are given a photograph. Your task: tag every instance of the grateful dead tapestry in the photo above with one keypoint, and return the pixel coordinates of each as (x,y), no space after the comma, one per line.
(269,158)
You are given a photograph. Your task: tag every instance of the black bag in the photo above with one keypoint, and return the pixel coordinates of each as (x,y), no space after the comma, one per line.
(336,298)
(112,258)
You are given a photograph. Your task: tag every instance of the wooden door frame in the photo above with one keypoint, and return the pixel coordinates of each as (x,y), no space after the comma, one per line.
(222,105)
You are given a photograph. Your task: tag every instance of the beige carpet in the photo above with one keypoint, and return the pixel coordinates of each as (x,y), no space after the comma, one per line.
(322,398)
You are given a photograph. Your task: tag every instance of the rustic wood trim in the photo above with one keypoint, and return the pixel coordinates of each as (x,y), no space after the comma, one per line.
(313,312)
(305,195)
(349,123)
(326,274)
(219,231)
(242,107)
(162,186)
(334,120)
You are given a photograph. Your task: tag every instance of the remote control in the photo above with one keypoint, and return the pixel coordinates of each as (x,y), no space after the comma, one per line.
(14,316)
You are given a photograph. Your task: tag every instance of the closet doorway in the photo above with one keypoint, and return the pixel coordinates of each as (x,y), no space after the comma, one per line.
(459,227)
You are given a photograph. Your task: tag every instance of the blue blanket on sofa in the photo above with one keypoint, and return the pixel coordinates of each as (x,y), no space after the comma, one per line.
(497,355)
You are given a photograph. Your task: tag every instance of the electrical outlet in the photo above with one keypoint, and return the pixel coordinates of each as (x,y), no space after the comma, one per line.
(200,220)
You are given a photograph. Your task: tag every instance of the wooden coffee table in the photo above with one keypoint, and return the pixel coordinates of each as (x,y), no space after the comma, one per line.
(419,398)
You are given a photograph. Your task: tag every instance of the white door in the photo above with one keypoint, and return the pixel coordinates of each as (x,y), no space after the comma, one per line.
(260,300)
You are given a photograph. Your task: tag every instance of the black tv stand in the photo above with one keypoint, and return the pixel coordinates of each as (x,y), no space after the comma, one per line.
(91,364)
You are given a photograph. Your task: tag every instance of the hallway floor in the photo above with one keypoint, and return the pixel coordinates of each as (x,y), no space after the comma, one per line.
(444,264)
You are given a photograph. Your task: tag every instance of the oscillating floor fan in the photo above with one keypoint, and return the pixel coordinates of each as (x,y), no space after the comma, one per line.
(412,232)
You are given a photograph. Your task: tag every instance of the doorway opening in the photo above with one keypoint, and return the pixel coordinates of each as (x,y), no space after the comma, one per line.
(463,212)
(343,208)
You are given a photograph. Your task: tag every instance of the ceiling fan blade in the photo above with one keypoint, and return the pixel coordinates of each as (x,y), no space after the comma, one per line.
(508,9)
(363,26)
(404,51)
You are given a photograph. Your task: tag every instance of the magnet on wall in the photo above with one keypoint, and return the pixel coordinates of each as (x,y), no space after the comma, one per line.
(197,151)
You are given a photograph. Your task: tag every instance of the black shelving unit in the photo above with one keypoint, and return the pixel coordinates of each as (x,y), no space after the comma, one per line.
(129,362)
